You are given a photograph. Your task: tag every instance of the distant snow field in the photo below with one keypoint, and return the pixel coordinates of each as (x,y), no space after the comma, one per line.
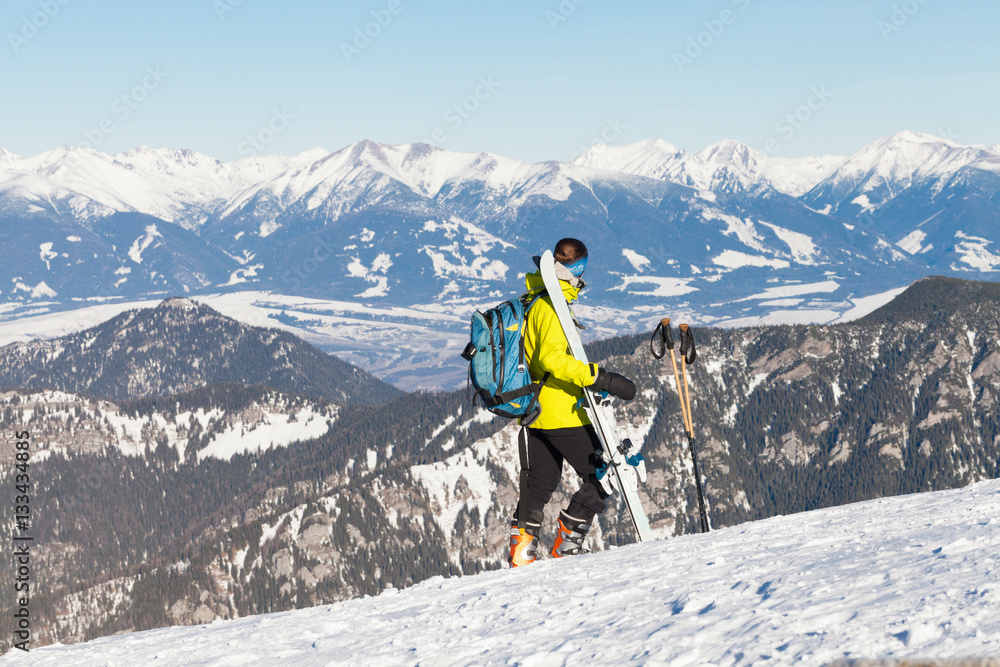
(911,576)
(418,347)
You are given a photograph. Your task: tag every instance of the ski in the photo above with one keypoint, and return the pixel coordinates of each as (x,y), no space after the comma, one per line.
(624,465)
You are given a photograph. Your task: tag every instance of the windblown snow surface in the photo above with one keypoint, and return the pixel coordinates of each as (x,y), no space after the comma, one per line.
(911,576)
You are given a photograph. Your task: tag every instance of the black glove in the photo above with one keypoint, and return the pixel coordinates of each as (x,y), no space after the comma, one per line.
(615,384)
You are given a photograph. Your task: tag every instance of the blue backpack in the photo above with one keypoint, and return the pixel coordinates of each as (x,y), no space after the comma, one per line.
(498,371)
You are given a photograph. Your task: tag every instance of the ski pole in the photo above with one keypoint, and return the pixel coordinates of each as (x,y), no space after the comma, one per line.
(688,356)
(663,328)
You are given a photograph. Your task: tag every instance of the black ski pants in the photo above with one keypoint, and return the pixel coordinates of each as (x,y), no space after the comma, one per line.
(542,452)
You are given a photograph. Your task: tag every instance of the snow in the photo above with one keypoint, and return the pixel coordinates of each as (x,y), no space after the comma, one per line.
(274,430)
(638,262)
(438,430)
(868,304)
(187,188)
(801,245)
(380,265)
(20,327)
(481,268)
(912,242)
(888,165)
(263,429)
(904,577)
(651,158)
(743,230)
(140,245)
(795,289)
(660,286)
(796,176)
(46,254)
(37,292)
(972,251)
(242,275)
(863,202)
(441,480)
(733,259)
(722,164)
(776,317)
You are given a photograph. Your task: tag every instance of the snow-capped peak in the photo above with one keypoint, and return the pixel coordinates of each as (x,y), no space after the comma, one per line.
(884,167)
(902,156)
(7,157)
(912,137)
(650,158)
(730,151)
(178,303)
(312,155)
(725,166)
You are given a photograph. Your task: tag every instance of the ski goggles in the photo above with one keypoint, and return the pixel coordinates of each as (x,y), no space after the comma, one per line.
(577,267)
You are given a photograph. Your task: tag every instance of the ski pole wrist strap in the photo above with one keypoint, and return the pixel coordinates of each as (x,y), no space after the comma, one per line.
(687,344)
(666,339)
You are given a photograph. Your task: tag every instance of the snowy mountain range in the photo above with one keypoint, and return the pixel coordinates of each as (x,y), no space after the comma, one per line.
(400,243)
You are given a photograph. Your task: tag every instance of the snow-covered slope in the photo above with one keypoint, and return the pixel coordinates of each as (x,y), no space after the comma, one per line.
(911,576)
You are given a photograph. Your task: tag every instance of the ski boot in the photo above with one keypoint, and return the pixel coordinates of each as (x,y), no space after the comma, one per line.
(569,541)
(523,543)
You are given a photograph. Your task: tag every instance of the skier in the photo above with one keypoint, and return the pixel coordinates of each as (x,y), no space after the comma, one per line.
(562,432)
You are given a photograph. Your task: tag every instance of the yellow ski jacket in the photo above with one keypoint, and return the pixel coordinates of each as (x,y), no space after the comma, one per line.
(547,351)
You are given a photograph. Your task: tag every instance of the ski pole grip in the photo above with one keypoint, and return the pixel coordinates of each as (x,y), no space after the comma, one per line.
(666,340)
(687,344)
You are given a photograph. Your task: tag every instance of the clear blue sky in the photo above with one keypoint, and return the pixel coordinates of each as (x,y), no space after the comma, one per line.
(209,74)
